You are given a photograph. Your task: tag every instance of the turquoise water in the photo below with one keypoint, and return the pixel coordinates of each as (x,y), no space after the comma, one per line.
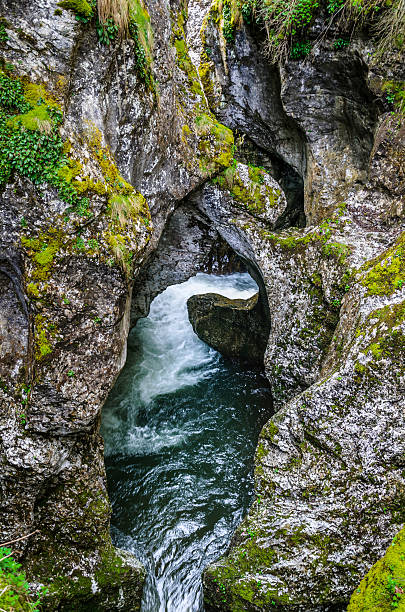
(180,430)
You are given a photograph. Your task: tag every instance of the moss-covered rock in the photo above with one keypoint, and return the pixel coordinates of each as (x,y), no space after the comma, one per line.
(383,587)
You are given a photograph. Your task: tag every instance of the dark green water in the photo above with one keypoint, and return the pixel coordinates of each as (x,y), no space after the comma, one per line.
(180,427)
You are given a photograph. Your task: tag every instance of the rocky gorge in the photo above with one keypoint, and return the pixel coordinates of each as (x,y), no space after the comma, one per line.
(132,159)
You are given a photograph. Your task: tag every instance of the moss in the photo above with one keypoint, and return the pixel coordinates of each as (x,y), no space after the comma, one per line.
(112,568)
(386,273)
(120,250)
(216,143)
(36,94)
(36,119)
(237,583)
(42,251)
(256,195)
(185,133)
(33,291)
(79,7)
(260,452)
(382,589)
(69,171)
(72,174)
(185,64)
(204,72)
(183,59)
(89,587)
(42,333)
(321,234)
(270,431)
(388,336)
(207,68)
(115,183)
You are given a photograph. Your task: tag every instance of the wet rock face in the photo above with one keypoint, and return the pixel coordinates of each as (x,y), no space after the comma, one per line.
(66,278)
(238,329)
(329,466)
(336,298)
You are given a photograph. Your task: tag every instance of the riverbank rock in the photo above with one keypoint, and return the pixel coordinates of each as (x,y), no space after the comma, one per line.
(98,149)
(236,328)
(383,586)
(101,149)
(329,465)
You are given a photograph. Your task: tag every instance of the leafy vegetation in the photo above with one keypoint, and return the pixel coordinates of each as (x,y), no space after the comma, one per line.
(283,20)
(15,593)
(300,50)
(383,587)
(30,143)
(3,33)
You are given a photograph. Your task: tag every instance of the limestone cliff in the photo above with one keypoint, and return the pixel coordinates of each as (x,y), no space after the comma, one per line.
(118,159)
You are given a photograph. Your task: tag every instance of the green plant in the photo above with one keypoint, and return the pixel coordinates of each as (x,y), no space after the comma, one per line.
(119,19)
(30,143)
(107,31)
(395,94)
(395,589)
(80,243)
(299,50)
(334,5)
(283,20)
(14,589)
(3,33)
(141,61)
(71,373)
(340,43)
(228,28)
(93,244)
(116,12)
(249,11)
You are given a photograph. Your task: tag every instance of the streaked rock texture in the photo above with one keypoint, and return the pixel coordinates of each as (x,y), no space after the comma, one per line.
(312,202)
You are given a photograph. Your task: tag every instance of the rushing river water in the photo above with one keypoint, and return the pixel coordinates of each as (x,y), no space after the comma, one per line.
(180,429)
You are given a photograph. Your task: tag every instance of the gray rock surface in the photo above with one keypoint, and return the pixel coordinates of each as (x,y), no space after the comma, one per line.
(238,329)
(329,465)
(66,280)
(329,468)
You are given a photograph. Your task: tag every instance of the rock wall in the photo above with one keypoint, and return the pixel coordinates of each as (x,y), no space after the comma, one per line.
(329,469)
(92,134)
(96,161)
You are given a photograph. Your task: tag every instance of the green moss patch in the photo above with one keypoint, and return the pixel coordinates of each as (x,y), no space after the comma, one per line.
(386,274)
(253,195)
(79,7)
(383,588)
(215,145)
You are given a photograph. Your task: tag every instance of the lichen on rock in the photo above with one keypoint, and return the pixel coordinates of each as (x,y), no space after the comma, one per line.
(123,166)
